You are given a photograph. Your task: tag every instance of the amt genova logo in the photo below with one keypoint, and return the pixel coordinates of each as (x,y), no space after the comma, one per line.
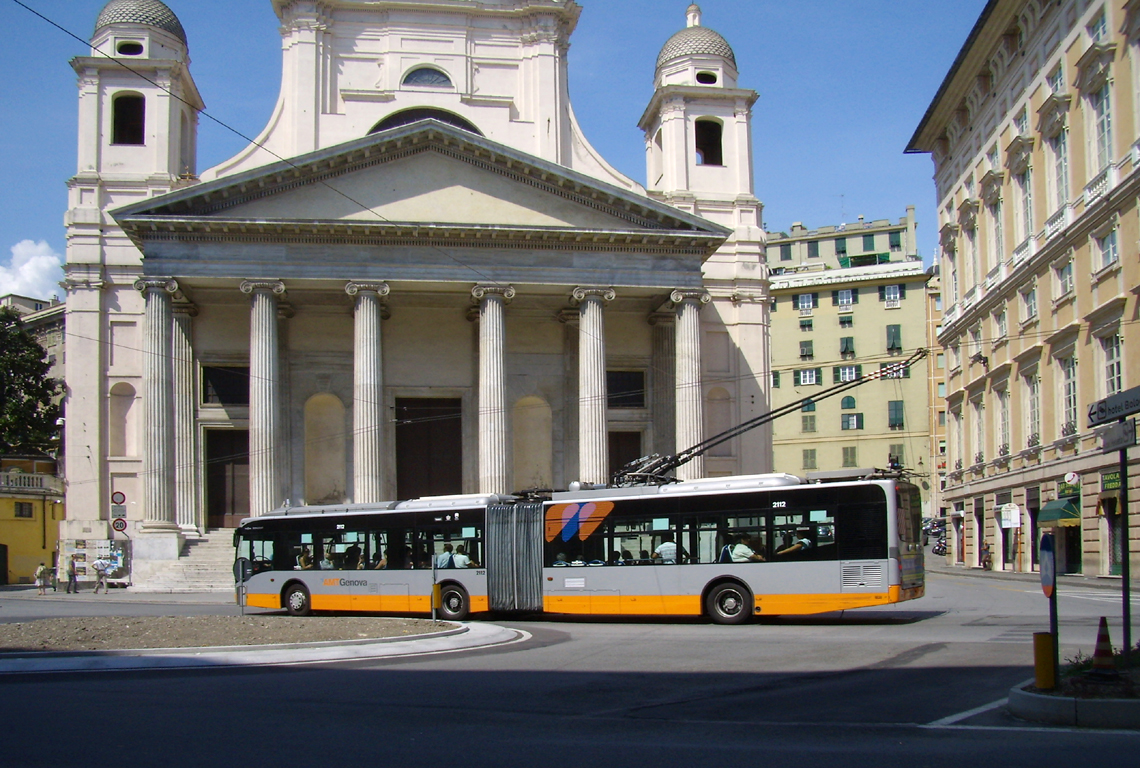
(345,583)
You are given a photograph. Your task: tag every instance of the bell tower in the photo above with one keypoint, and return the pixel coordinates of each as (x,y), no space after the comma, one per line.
(138,124)
(698,144)
(138,116)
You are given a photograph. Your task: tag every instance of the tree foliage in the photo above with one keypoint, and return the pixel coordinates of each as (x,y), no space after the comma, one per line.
(28,411)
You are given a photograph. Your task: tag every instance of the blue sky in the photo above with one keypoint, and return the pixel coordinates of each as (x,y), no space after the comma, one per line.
(842,84)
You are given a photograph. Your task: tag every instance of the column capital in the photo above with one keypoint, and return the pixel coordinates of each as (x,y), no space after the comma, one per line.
(165,284)
(479,292)
(353,287)
(581,293)
(681,295)
(274,286)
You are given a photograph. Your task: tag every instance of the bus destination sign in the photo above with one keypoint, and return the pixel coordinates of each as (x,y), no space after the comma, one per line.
(1116,407)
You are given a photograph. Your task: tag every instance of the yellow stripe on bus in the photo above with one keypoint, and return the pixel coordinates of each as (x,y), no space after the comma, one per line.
(368,603)
(263,601)
(690,605)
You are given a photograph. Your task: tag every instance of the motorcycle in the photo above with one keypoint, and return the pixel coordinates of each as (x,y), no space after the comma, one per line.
(939,547)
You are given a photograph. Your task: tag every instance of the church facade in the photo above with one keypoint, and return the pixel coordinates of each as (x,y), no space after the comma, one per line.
(419,279)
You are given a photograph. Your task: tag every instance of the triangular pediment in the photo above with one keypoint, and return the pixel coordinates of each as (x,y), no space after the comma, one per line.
(429,187)
(425,174)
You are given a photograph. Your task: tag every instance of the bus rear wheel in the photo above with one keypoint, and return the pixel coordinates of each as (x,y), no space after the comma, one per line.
(297,600)
(454,603)
(729,603)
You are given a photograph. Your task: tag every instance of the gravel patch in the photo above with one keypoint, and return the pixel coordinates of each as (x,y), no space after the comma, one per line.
(119,632)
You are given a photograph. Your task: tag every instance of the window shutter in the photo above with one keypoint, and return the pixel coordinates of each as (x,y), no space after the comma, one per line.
(882,293)
(818,375)
(854,295)
(773,305)
(776,379)
(858,371)
(902,291)
(814,300)
(835,298)
(858,421)
(796,378)
(835,374)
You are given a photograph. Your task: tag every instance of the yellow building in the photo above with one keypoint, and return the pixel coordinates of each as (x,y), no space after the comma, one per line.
(1034,134)
(834,322)
(31,506)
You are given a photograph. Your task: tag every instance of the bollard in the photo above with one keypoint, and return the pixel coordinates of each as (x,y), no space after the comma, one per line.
(1044,666)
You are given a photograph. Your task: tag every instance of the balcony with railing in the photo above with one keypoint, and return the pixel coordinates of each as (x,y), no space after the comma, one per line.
(1026,249)
(994,276)
(971,296)
(21,482)
(949,314)
(1056,223)
(1099,185)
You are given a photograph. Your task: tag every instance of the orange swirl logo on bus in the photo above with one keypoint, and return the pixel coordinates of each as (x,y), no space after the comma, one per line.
(566,521)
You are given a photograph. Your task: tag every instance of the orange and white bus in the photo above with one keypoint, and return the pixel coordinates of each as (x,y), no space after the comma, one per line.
(729,548)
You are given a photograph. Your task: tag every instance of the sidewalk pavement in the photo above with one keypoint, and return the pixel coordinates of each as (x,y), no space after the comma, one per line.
(465,637)
(937,564)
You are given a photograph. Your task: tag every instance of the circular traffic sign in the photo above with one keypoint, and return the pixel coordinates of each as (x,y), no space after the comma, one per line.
(119,524)
(118,497)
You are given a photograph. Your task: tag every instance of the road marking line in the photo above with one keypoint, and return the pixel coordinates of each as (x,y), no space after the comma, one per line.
(968,714)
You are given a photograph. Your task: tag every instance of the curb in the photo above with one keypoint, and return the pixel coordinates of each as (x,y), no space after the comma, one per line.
(1082,713)
(464,638)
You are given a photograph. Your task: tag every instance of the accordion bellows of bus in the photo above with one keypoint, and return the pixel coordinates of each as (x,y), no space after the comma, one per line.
(729,548)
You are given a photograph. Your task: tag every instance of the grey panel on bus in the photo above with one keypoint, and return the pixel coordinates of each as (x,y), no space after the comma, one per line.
(514,557)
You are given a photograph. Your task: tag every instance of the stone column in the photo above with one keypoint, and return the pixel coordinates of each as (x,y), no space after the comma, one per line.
(690,413)
(158,422)
(494,442)
(368,391)
(187,512)
(593,439)
(266,490)
(663,364)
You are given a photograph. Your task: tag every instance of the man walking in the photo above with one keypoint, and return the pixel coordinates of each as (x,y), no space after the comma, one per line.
(72,577)
(101,567)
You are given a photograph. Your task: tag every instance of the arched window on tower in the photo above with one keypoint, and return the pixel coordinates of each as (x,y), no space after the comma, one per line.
(128,119)
(709,151)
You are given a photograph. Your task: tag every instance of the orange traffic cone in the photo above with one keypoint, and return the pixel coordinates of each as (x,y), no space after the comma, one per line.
(1103,662)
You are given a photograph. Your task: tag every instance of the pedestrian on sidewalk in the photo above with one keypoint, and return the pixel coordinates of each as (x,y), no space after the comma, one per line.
(101,566)
(41,577)
(72,577)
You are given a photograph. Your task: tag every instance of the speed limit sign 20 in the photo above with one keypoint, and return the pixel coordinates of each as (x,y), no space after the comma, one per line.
(119,524)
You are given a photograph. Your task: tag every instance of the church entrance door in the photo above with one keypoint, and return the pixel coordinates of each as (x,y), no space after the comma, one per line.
(227,477)
(429,446)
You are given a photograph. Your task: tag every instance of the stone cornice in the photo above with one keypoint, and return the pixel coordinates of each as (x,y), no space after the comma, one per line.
(947,236)
(1094,66)
(1052,114)
(968,213)
(1017,154)
(742,97)
(342,232)
(991,186)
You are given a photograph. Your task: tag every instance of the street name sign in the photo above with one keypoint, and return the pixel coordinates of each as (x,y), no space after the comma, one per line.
(1118,437)
(1116,407)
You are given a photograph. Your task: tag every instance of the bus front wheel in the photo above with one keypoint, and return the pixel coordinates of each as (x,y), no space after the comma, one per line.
(297,600)
(729,603)
(454,603)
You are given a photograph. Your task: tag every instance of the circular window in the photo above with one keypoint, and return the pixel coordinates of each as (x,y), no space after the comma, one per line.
(130,49)
(706,78)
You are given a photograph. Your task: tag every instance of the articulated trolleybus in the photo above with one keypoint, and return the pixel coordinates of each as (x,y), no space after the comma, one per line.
(729,548)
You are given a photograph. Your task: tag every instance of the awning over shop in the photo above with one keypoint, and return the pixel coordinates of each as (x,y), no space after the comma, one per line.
(1060,512)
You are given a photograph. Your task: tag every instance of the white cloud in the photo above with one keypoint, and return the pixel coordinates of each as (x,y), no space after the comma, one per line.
(34,271)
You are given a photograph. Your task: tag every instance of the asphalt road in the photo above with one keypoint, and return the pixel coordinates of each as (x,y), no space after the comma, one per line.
(917,684)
